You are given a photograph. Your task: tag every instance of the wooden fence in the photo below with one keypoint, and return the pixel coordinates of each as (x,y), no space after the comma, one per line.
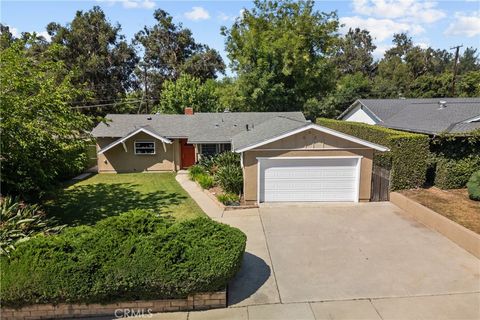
(380,184)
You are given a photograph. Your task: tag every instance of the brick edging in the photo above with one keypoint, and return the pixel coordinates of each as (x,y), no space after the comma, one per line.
(463,237)
(197,301)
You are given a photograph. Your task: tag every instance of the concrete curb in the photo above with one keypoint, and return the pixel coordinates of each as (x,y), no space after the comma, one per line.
(463,237)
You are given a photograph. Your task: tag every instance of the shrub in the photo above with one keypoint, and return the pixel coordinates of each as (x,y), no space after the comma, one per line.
(229,199)
(21,221)
(409,155)
(473,186)
(196,170)
(454,173)
(207,163)
(137,255)
(205,180)
(227,158)
(230,178)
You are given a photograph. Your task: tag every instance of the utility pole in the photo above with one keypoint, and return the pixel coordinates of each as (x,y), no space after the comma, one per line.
(457,49)
(145,85)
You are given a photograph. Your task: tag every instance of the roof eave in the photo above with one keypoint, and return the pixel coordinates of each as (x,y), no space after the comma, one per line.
(316,127)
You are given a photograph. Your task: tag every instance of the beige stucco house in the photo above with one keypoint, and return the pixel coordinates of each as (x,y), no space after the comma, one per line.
(284,157)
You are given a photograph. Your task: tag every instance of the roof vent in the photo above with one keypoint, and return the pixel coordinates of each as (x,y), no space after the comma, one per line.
(442,104)
(149,118)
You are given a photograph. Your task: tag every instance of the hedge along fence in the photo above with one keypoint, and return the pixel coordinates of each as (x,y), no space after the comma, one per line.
(409,155)
(138,255)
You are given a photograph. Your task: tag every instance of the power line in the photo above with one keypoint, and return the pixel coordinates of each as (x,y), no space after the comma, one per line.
(109,104)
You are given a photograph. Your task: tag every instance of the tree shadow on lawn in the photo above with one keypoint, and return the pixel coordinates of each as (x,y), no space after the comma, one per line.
(87,204)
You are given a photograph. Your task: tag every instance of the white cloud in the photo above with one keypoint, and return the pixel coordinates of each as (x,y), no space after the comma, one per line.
(14,31)
(197,13)
(45,35)
(418,11)
(17,34)
(380,29)
(132,4)
(223,17)
(465,25)
(380,50)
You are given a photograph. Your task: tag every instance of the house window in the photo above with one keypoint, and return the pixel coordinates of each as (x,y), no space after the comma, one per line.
(144,147)
(209,149)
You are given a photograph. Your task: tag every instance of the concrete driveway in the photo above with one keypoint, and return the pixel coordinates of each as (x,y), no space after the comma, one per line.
(342,261)
(368,256)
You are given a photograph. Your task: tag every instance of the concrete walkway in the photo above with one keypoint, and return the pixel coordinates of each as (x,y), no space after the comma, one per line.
(359,261)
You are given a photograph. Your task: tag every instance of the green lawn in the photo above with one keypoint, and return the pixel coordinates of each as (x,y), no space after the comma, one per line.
(105,195)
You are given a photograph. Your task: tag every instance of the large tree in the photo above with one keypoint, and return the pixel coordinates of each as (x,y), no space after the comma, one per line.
(170,51)
(100,55)
(280,50)
(43,140)
(354,53)
(188,91)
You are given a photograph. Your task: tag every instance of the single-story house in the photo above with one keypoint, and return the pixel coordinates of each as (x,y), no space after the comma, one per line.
(284,157)
(427,116)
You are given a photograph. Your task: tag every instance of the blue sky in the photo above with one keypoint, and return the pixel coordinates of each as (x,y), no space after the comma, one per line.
(440,24)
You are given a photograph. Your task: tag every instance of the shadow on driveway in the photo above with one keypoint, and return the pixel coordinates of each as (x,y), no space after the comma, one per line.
(252,275)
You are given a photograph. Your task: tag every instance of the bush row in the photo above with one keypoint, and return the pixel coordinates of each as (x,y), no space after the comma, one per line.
(137,255)
(455,173)
(409,155)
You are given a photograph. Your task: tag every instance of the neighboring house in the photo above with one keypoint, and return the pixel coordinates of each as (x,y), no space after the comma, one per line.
(428,116)
(284,157)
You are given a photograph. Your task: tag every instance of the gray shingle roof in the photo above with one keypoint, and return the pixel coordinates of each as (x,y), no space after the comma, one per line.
(267,130)
(424,115)
(198,128)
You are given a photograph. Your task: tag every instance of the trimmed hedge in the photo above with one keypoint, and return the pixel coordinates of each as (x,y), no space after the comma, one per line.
(473,186)
(137,255)
(454,173)
(409,155)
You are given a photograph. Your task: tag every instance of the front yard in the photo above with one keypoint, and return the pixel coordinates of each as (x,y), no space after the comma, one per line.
(105,195)
(453,204)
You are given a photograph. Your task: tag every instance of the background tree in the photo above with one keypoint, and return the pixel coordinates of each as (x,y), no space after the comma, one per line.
(354,53)
(279,50)
(103,60)
(43,140)
(170,51)
(188,91)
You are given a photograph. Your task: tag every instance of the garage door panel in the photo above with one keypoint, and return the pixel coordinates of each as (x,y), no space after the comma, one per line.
(309,180)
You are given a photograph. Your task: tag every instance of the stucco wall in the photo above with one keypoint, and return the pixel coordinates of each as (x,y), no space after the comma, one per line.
(117,160)
(307,144)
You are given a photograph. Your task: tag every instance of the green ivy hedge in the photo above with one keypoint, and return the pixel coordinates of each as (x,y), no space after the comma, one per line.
(409,155)
(454,173)
(137,255)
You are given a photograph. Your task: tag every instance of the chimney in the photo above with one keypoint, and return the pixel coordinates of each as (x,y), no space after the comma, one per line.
(189,111)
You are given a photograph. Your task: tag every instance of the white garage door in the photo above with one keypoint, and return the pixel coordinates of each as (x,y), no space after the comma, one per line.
(309,179)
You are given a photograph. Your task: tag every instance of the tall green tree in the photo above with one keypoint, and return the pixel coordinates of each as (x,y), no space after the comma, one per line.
(280,50)
(354,53)
(188,91)
(170,51)
(43,140)
(103,60)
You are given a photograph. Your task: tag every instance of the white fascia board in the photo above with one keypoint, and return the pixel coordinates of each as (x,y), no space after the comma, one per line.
(321,129)
(474,119)
(117,142)
(360,105)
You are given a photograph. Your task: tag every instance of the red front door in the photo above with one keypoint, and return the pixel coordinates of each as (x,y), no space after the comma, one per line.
(188,153)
